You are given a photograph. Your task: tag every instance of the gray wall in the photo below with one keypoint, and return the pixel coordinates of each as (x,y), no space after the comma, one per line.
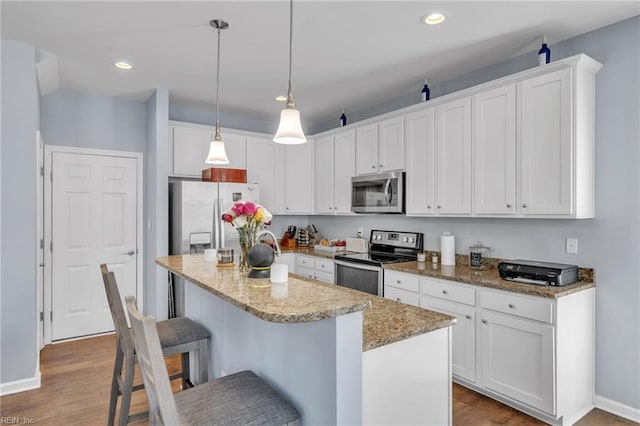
(156,202)
(18,329)
(204,116)
(101,122)
(610,243)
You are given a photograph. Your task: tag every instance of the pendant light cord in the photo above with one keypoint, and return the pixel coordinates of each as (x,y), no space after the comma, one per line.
(217,135)
(290,35)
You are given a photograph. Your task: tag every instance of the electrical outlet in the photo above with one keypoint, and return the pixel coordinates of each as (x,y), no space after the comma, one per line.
(572,246)
(360,232)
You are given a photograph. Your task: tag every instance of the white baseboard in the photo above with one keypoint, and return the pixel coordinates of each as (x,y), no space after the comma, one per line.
(20,385)
(617,408)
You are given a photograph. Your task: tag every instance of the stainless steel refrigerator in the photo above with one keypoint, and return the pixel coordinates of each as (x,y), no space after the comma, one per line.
(195,222)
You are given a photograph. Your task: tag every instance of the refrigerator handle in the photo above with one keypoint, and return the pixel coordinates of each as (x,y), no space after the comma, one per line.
(221,224)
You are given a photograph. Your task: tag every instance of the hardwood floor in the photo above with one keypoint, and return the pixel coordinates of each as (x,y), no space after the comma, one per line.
(76,378)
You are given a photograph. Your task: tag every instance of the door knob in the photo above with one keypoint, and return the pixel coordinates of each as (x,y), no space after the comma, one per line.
(130,253)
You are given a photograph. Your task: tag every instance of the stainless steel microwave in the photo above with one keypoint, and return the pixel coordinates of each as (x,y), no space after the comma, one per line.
(380,193)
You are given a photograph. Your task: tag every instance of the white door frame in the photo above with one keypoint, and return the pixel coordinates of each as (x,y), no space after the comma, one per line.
(49,150)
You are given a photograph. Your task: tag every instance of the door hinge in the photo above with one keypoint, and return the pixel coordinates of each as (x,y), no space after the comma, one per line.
(42,171)
(41,316)
(41,243)
(51,176)
(51,246)
(51,316)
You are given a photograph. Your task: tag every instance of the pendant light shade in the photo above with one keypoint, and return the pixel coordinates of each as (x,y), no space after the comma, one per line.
(217,153)
(290,128)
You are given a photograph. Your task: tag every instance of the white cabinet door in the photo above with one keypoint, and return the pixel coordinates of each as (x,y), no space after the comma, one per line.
(324,175)
(518,359)
(299,178)
(261,169)
(344,160)
(420,179)
(453,157)
(367,149)
(546,144)
(235,147)
(494,151)
(188,150)
(391,145)
(463,340)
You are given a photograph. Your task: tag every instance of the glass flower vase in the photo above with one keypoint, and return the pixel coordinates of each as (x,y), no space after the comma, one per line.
(247,241)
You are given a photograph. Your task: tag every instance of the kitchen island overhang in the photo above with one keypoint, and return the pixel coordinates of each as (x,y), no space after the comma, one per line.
(340,356)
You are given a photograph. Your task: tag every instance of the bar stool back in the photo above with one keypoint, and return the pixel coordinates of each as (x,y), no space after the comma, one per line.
(177,336)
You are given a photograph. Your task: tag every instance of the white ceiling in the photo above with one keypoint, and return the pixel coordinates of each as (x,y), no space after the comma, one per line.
(350,55)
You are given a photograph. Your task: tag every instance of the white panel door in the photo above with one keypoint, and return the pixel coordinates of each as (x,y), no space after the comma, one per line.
(494,151)
(453,157)
(324,175)
(93,221)
(420,135)
(546,144)
(344,149)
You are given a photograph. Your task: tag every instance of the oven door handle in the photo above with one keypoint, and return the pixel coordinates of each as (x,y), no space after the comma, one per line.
(387,194)
(358,265)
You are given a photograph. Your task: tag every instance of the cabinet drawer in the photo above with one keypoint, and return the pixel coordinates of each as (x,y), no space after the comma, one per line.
(402,281)
(325,276)
(324,265)
(305,261)
(449,291)
(535,309)
(305,272)
(400,295)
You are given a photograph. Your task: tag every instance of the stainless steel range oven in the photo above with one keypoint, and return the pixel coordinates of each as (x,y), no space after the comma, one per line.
(363,271)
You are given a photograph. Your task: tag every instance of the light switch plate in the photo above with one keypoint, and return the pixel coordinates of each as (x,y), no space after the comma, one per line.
(572,246)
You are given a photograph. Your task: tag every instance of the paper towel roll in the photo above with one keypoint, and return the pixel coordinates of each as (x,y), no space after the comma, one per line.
(447,249)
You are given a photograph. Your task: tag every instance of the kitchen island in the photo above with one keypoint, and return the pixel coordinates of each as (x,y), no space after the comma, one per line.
(340,356)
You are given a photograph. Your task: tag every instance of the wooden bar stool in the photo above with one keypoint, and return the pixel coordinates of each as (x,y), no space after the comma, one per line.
(237,399)
(177,336)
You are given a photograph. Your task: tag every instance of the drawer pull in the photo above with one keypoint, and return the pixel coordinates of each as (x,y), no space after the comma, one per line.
(484,321)
(444,292)
(467,316)
(398,281)
(512,306)
(398,299)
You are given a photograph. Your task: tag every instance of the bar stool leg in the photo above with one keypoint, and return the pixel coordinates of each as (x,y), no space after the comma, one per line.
(113,399)
(127,390)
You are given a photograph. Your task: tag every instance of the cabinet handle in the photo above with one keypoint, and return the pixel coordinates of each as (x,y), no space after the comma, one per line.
(373,166)
(398,281)
(444,291)
(381,165)
(398,299)
(512,306)
(467,316)
(286,208)
(335,207)
(508,205)
(429,207)
(330,207)
(524,206)
(439,207)
(484,321)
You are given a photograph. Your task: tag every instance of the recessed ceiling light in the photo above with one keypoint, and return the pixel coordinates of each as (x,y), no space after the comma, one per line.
(122,65)
(433,18)
(281,98)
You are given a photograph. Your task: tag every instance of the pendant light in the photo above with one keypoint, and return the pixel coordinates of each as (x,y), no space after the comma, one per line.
(290,129)
(217,154)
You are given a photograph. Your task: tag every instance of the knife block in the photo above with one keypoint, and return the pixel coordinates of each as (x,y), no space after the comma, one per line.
(288,243)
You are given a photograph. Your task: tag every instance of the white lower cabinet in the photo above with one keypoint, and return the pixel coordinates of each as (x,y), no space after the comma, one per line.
(318,268)
(289,259)
(533,353)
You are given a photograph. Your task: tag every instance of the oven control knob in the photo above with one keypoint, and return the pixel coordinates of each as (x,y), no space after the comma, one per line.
(412,240)
(378,237)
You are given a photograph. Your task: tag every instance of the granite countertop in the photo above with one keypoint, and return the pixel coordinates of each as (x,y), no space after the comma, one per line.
(304,300)
(491,278)
(312,252)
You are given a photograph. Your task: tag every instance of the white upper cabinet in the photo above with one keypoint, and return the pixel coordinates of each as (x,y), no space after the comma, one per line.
(494,151)
(546,144)
(453,157)
(391,145)
(367,149)
(334,167)
(420,179)
(380,147)
(298,187)
(262,154)
(324,175)
(189,147)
